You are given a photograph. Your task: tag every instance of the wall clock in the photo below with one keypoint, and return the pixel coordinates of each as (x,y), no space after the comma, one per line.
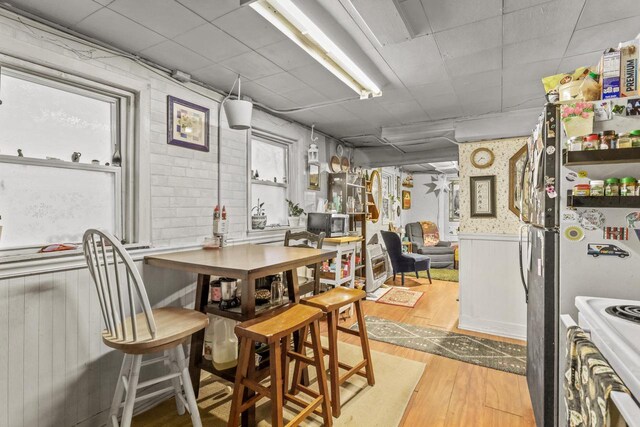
(482,158)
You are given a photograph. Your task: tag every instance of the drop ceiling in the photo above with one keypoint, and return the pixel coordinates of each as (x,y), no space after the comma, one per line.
(436,61)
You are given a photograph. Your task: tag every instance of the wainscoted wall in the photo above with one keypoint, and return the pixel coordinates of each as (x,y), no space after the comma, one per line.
(505,222)
(54,368)
(491,295)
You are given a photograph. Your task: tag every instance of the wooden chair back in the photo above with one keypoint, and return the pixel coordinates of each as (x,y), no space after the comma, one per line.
(307,239)
(120,290)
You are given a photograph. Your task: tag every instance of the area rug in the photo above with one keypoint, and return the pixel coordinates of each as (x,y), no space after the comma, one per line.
(401,296)
(444,274)
(360,403)
(492,354)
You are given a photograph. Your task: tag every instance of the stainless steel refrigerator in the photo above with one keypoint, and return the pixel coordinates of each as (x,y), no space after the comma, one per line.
(539,251)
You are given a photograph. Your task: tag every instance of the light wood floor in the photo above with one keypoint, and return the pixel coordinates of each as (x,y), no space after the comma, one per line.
(452,393)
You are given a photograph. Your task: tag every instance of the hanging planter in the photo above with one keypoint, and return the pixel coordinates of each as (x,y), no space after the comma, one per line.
(238,112)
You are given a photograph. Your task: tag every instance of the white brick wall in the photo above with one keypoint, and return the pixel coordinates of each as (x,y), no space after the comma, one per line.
(183,182)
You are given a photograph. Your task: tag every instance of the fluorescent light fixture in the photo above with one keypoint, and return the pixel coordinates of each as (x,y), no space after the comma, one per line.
(290,20)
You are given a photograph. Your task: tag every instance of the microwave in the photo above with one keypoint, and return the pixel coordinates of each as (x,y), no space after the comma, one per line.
(332,224)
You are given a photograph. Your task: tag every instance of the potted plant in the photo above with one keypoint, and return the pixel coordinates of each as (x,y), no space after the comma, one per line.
(259,219)
(295,211)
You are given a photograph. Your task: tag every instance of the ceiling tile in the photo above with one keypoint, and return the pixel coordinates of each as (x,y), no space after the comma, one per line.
(174,56)
(163,16)
(431,92)
(64,12)
(484,60)
(513,5)
(281,82)
(444,15)
(217,76)
(320,79)
(393,94)
(407,112)
(608,35)
(553,17)
(115,29)
(416,61)
(473,82)
(443,108)
(305,96)
(534,50)
(210,10)
(482,100)
(599,12)
(211,42)
(286,54)
(251,65)
(470,38)
(248,27)
(570,63)
(265,96)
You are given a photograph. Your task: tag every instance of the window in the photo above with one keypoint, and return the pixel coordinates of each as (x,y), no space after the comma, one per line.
(270,178)
(45,197)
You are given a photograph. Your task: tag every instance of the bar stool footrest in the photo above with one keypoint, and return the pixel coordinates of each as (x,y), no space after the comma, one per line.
(354,370)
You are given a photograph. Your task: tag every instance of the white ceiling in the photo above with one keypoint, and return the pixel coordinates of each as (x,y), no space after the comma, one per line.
(453,59)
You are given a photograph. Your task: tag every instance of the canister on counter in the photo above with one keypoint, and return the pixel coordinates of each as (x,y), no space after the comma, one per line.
(581,190)
(591,142)
(628,186)
(608,139)
(612,187)
(596,188)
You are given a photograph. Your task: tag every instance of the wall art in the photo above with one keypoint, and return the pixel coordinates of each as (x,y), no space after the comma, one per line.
(188,124)
(406,199)
(483,196)
(454,201)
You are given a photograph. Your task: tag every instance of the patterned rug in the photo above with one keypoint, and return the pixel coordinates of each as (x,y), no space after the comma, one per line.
(401,296)
(465,348)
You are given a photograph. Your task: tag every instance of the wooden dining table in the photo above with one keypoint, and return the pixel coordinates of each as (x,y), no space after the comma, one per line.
(247,263)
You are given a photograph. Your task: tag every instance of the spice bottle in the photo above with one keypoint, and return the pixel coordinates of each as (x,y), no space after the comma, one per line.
(628,186)
(591,142)
(608,139)
(612,187)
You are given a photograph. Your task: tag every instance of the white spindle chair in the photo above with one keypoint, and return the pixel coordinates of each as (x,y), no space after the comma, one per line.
(120,291)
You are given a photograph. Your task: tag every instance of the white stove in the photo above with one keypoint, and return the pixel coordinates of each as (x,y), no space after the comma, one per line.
(614,325)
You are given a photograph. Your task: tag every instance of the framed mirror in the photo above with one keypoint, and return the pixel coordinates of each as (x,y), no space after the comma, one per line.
(374,196)
(517,167)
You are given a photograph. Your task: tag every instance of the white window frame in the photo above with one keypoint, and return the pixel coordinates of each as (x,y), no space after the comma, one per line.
(278,141)
(122,136)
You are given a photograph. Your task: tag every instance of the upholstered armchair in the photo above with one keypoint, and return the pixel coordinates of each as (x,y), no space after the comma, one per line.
(442,254)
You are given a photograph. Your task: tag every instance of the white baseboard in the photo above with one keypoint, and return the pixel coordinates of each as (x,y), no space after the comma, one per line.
(501,329)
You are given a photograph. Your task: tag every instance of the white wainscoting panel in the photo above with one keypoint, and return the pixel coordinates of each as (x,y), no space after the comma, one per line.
(54,368)
(491,295)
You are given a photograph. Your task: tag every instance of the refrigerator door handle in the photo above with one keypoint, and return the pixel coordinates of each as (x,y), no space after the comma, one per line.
(524,282)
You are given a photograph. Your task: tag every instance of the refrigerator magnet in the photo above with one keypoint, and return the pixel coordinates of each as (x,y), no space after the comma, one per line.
(606,249)
(616,233)
(591,219)
(633,219)
(574,233)
(569,216)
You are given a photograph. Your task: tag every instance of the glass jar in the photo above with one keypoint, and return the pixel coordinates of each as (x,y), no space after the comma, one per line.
(635,138)
(596,188)
(591,142)
(612,187)
(575,143)
(628,186)
(624,141)
(581,190)
(608,139)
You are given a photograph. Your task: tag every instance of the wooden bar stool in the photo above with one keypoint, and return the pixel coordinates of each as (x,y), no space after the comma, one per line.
(330,303)
(120,290)
(276,332)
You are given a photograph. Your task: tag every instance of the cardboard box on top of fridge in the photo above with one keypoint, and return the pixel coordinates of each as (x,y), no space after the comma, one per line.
(610,74)
(629,67)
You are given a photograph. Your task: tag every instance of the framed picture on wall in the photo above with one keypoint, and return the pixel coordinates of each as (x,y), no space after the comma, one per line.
(483,196)
(313,175)
(398,186)
(406,199)
(187,124)
(454,201)
(518,167)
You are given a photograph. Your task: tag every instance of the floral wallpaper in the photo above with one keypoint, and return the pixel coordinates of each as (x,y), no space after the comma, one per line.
(505,222)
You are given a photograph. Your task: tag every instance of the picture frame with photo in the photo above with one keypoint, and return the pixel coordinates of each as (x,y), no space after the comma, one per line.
(187,124)
(483,196)
(454,200)
(313,176)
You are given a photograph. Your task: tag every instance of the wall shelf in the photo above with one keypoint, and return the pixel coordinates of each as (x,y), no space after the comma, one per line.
(602,202)
(604,163)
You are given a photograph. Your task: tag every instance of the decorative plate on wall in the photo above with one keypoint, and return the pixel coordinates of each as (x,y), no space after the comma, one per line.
(344,164)
(335,164)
